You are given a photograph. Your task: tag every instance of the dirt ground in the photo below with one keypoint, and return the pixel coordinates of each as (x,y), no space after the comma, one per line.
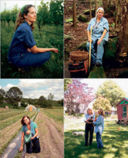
(51,138)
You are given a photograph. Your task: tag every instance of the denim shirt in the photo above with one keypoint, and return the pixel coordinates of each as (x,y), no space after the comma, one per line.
(98,28)
(87,116)
(99,124)
(22,39)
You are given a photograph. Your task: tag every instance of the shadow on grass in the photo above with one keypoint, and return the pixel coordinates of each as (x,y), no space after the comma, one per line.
(115,144)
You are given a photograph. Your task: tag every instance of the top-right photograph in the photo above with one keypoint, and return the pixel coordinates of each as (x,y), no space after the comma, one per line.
(96,38)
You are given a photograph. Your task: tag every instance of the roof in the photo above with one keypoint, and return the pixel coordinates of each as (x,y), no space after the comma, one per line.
(123,101)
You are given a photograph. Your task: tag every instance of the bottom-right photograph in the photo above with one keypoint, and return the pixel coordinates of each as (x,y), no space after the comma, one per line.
(95,118)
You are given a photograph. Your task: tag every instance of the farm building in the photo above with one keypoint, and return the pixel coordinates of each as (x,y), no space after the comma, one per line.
(122,111)
(30,108)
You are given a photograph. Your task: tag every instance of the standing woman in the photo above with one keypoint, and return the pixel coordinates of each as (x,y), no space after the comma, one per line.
(100,34)
(89,128)
(99,127)
(23,51)
(29,136)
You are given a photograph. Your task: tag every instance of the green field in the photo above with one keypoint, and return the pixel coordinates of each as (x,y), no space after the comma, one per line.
(10,124)
(47,37)
(115,140)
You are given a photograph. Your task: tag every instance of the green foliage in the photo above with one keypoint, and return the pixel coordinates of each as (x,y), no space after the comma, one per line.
(42,14)
(97,72)
(110,49)
(102,103)
(56,12)
(111,91)
(67,81)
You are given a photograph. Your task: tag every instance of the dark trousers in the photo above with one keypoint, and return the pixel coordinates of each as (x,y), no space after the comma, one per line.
(33,146)
(89,129)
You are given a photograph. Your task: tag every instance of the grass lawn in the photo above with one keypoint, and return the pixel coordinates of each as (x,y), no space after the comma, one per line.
(115,140)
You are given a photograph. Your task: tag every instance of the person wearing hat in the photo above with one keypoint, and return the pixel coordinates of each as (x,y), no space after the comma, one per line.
(23,51)
(100,34)
(29,136)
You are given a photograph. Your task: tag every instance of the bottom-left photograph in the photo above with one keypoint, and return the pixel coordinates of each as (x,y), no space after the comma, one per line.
(31,118)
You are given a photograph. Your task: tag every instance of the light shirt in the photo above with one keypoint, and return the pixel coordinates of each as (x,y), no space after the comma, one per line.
(87,116)
(98,28)
(99,124)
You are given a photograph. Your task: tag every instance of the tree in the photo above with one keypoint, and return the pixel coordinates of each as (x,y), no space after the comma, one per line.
(14,95)
(111,91)
(77,93)
(42,14)
(103,103)
(56,12)
(2,95)
(50,96)
(123,36)
(67,81)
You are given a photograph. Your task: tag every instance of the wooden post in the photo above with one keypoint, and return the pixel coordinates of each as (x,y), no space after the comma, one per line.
(90,48)
(74,13)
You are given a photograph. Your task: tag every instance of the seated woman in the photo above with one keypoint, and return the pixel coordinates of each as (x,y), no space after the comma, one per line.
(29,136)
(100,34)
(23,51)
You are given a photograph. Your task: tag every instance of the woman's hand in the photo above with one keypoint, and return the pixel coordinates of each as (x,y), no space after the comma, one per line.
(29,50)
(21,148)
(32,138)
(99,41)
(89,40)
(54,50)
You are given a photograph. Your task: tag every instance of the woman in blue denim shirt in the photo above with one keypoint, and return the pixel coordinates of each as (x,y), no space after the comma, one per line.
(99,127)
(100,34)
(23,51)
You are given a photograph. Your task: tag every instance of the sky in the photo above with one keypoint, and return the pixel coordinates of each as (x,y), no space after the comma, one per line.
(95,83)
(34,88)
(9,4)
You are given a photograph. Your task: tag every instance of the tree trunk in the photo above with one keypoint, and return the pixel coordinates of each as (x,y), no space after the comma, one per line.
(90,9)
(96,6)
(74,13)
(123,36)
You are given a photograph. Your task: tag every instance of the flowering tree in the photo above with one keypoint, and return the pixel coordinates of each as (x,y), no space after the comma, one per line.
(77,94)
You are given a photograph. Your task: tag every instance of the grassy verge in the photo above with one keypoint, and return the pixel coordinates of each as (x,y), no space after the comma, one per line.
(56,114)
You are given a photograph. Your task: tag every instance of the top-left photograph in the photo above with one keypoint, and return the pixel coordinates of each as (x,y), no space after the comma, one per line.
(31,38)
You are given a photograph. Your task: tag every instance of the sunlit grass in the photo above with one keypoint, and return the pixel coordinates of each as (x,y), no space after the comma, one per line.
(115,140)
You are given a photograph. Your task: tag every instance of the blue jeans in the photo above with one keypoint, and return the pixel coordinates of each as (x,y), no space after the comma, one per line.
(96,55)
(99,140)
(28,59)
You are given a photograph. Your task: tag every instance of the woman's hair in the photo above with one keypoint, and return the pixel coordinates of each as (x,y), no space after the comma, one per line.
(100,8)
(101,112)
(89,110)
(24,11)
(22,120)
